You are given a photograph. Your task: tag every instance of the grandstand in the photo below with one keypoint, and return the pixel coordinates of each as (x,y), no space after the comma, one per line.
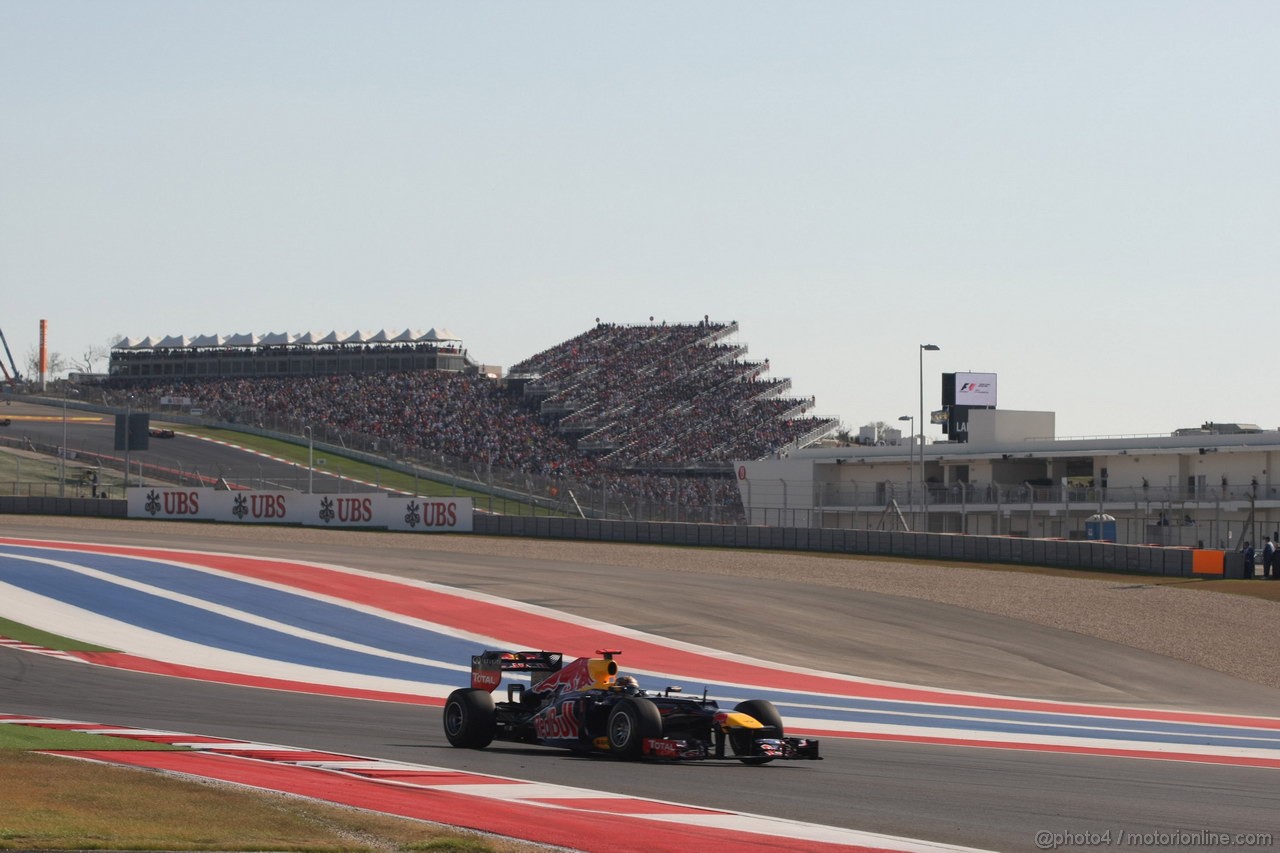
(657,412)
(661,397)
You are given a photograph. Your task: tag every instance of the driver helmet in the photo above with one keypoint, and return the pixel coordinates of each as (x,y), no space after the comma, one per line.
(627,684)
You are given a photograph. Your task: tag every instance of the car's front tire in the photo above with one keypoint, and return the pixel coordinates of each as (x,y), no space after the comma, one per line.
(766,715)
(469,720)
(630,722)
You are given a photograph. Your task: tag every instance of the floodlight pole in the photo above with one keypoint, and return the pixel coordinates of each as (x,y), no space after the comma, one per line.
(911,460)
(924,497)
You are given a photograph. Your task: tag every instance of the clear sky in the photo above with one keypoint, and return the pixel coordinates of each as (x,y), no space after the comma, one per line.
(1081,197)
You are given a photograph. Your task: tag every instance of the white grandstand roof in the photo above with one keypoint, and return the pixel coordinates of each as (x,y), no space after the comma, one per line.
(251,339)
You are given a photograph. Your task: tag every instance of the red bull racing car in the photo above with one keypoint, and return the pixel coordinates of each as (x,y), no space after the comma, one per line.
(587,707)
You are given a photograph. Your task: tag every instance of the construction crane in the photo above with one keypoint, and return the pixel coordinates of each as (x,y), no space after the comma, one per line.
(11,378)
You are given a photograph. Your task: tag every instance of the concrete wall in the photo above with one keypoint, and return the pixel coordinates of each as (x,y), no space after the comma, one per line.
(1084,555)
(97,507)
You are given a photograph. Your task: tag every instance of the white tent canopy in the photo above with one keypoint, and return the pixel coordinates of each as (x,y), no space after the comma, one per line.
(251,339)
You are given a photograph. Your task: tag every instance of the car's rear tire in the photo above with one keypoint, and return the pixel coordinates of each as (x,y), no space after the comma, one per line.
(766,715)
(469,719)
(630,722)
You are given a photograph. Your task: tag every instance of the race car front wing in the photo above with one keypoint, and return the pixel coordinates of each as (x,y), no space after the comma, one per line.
(786,748)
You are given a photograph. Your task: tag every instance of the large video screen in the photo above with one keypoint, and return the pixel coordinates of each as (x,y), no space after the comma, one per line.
(976,389)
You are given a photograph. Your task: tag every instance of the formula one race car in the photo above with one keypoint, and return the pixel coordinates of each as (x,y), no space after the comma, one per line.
(158,432)
(587,707)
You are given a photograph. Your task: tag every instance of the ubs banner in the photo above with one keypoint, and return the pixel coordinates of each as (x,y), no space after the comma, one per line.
(392,512)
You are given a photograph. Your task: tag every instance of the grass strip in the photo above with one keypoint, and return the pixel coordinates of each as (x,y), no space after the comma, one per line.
(27,634)
(52,803)
(340,466)
(56,803)
(16,736)
(28,469)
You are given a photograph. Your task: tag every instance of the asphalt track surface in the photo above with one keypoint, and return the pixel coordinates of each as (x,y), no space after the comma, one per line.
(990,798)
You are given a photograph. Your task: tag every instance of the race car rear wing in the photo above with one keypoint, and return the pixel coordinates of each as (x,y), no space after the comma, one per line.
(488,666)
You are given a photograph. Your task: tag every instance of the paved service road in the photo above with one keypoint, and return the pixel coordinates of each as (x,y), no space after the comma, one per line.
(990,798)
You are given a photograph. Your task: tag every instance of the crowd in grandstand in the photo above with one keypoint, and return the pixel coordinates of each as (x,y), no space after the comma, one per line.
(665,395)
(645,400)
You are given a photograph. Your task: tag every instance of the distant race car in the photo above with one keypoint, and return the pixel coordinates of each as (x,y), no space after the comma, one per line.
(587,707)
(157,432)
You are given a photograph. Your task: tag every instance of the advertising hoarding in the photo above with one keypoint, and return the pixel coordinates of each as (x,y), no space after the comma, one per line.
(369,510)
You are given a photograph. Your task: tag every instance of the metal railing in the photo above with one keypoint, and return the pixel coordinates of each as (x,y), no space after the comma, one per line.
(997,494)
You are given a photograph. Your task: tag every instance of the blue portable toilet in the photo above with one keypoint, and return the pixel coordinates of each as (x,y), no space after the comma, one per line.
(1100,527)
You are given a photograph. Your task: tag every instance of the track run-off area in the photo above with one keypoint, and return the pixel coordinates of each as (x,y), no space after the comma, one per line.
(288,627)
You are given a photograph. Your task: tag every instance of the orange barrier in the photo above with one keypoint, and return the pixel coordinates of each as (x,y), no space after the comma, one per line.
(1205,562)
